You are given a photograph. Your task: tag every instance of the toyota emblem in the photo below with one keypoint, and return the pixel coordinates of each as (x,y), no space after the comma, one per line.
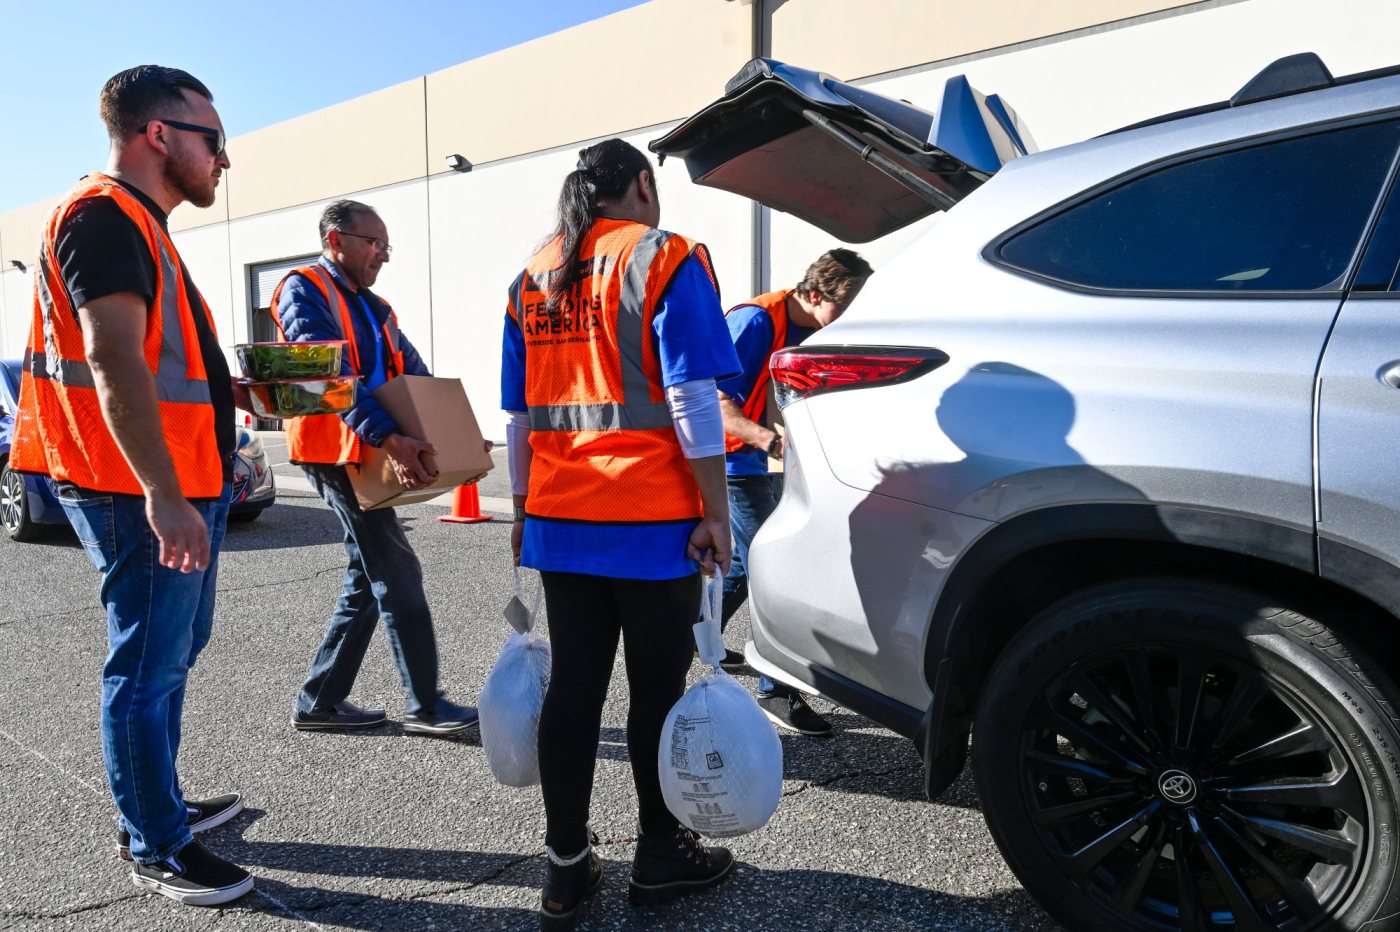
(1177,787)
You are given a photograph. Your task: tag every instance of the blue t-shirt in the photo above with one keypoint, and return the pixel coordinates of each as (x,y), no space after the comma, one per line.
(691,343)
(751,329)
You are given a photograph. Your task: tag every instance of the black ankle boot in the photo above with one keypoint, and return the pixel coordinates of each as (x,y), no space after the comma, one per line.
(674,865)
(568,891)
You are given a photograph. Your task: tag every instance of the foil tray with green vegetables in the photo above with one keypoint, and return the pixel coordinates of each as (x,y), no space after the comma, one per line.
(267,362)
(302,397)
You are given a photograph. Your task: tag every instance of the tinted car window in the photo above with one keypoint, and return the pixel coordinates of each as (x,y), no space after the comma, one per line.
(1283,216)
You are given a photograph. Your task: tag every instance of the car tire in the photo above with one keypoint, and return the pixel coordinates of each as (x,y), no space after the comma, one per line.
(1178,755)
(14,508)
(245,517)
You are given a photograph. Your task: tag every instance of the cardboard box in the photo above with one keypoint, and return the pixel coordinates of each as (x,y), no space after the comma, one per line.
(431,409)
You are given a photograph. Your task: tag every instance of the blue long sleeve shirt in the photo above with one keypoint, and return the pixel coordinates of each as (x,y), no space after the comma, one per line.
(306,316)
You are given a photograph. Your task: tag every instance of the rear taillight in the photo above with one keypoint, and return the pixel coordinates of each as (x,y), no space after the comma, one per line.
(802,373)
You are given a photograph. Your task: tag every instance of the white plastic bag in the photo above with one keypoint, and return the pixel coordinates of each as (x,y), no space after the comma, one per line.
(720,760)
(511,700)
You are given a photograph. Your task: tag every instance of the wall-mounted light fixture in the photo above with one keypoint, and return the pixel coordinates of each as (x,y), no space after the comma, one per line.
(19,265)
(458,163)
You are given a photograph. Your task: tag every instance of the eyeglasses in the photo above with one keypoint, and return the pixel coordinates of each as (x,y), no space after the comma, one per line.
(214,137)
(374,241)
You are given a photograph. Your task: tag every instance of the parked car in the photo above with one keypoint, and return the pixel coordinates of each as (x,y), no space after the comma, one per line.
(28,506)
(1102,471)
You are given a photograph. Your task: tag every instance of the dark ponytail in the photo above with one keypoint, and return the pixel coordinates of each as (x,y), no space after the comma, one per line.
(605,170)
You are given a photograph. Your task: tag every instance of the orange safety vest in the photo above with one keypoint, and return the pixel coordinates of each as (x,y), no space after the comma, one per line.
(774,303)
(60,430)
(605,447)
(326,438)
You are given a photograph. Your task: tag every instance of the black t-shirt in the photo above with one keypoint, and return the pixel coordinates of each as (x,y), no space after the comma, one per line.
(101,252)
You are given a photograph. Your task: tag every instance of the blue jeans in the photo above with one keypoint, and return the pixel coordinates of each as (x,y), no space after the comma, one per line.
(751,500)
(384,581)
(158,620)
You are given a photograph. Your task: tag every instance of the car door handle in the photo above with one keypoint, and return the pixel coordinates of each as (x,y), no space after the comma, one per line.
(1390,374)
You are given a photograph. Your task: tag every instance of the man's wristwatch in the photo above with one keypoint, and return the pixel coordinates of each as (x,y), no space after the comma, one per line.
(775,445)
(520,512)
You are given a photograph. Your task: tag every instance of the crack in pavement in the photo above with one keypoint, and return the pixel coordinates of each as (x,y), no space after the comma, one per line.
(357,899)
(817,784)
(76,910)
(91,607)
(282,582)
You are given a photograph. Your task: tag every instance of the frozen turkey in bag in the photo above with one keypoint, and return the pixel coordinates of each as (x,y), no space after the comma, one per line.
(720,760)
(511,700)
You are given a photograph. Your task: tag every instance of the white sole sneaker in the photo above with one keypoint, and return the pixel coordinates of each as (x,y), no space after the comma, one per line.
(214,820)
(202,896)
(420,728)
(220,817)
(788,726)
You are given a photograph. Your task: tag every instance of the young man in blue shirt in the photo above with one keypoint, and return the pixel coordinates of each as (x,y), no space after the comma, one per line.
(758,329)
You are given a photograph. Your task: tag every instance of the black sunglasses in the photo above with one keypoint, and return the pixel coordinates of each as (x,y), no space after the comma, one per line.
(214,137)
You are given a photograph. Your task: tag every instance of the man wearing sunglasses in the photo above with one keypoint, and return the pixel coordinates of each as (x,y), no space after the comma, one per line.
(128,407)
(331,300)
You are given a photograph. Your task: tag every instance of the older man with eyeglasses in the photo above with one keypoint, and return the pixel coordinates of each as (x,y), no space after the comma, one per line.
(331,300)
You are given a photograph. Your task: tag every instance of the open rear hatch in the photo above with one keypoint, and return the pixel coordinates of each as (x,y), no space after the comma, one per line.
(852,162)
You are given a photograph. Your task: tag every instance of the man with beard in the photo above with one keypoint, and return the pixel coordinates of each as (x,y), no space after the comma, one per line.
(127,405)
(331,300)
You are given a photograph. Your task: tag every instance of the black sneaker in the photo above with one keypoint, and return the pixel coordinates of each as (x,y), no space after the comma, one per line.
(340,717)
(568,892)
(447,718)
(194,876)
(791,711)
(675,865)
(733,660)
(204,814)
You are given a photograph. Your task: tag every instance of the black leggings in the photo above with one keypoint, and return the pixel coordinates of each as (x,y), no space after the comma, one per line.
(586,614)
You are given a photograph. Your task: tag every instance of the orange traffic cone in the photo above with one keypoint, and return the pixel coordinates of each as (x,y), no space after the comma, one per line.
(466,506)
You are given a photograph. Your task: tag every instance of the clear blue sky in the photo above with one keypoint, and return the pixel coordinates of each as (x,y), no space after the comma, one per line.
(265,60)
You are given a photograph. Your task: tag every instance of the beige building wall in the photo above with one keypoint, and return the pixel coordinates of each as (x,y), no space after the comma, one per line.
(20,231)
(854,40)
(368,142)
(647,65)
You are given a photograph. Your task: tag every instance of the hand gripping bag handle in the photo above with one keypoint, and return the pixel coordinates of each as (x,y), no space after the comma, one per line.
(519,617)
(708,640)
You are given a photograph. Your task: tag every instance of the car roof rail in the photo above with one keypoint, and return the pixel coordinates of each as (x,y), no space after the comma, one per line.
(1295,74)
(1288,75)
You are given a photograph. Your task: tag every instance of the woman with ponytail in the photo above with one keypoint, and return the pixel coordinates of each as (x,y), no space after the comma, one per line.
(614,337)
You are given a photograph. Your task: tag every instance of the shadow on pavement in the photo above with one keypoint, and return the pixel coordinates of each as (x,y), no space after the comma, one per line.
(289,522)
(754,898)
(307,857)
(352,910)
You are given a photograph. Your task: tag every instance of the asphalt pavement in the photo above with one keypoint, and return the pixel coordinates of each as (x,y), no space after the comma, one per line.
(387,831)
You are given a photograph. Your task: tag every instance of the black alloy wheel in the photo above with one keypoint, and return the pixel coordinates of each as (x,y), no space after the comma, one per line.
(14,507)
(1166,756)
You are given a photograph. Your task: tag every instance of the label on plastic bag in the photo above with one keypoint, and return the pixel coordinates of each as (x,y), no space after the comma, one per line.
(518,616)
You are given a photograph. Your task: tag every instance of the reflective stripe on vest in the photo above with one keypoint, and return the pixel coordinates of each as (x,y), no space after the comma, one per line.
(605,448)
(326,438)
(60,430)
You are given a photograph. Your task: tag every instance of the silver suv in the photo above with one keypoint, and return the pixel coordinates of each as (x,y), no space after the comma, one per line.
(1104,471)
